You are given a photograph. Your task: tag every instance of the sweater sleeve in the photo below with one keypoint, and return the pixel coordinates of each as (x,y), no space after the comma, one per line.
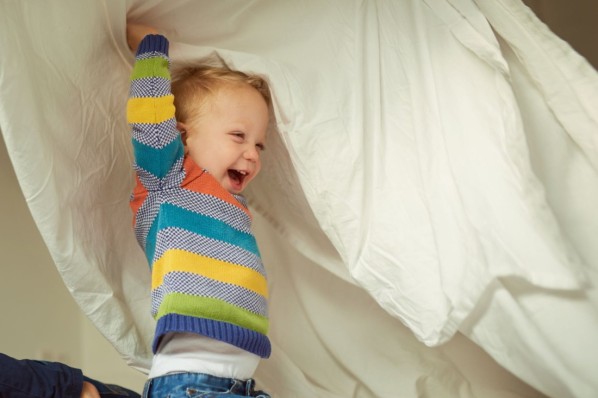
(29,378)
(157,145)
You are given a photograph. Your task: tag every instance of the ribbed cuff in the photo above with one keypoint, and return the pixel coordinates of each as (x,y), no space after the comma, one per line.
(248,340)
(151,43)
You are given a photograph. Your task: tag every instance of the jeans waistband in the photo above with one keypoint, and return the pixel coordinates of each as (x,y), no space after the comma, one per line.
(157,386)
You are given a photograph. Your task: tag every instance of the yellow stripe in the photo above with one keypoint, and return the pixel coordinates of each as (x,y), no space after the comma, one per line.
(184,261)
(150,110)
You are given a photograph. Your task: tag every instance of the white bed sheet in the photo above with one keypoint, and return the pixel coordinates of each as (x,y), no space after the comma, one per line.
(440,155)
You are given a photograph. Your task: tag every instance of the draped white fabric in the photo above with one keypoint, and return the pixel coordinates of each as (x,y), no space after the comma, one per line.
(440,155)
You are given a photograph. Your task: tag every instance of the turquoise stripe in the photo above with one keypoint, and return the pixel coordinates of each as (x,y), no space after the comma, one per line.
(174,216)
(150,243)
(158,161)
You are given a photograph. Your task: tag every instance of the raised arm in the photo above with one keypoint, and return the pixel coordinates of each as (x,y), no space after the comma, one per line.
(157,145)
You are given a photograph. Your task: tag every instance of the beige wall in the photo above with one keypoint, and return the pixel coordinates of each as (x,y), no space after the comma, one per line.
(40,319)
(39,316)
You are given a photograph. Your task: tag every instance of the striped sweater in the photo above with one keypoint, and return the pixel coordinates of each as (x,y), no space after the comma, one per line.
(207,274)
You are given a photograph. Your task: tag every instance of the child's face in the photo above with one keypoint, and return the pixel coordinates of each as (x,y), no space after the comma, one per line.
(229,135)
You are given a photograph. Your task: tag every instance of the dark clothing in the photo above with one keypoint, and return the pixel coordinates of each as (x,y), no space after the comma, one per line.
(27,378)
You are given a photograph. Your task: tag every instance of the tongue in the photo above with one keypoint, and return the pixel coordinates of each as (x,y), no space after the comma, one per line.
(235,177)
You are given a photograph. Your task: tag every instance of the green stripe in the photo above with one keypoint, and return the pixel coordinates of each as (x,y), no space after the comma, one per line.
(151,67)
(210,308)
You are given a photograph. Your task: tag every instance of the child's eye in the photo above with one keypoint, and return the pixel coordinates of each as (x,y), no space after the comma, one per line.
(260,147)
(238,135)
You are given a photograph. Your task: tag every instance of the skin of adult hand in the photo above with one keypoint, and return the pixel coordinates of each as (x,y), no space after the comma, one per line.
(89,391)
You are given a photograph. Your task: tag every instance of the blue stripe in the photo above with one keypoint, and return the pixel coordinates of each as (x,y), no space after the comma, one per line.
(246,339)
(174,216)
(158,161)
(151,43)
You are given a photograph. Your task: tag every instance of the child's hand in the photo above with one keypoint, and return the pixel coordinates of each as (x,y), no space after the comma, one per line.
(136,32)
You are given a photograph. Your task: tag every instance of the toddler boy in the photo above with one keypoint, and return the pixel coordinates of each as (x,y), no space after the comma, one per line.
(195,152)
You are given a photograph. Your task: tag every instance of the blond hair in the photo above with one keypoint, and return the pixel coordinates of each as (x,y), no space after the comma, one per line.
(193,86)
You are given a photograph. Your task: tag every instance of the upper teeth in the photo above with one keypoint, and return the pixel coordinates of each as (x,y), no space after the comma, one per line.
(242,172)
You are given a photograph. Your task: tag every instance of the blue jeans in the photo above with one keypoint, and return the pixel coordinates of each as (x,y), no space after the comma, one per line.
(199,385)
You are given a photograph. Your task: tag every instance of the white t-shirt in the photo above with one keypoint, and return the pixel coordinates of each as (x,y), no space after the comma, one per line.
(190,352)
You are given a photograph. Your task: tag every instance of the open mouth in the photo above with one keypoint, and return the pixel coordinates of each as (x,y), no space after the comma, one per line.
(237,176)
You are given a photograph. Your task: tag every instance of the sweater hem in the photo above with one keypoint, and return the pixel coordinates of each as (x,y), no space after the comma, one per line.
(246,339)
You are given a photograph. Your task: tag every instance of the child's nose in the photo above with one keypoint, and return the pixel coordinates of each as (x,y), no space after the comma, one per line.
(252,154)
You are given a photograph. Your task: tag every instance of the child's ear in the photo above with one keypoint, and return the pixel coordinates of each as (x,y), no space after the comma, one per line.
(182,128)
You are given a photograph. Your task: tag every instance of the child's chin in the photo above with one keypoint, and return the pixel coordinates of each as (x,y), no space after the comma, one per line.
(234,190)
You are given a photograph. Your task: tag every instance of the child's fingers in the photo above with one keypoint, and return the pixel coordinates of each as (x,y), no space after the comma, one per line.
(136,32)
